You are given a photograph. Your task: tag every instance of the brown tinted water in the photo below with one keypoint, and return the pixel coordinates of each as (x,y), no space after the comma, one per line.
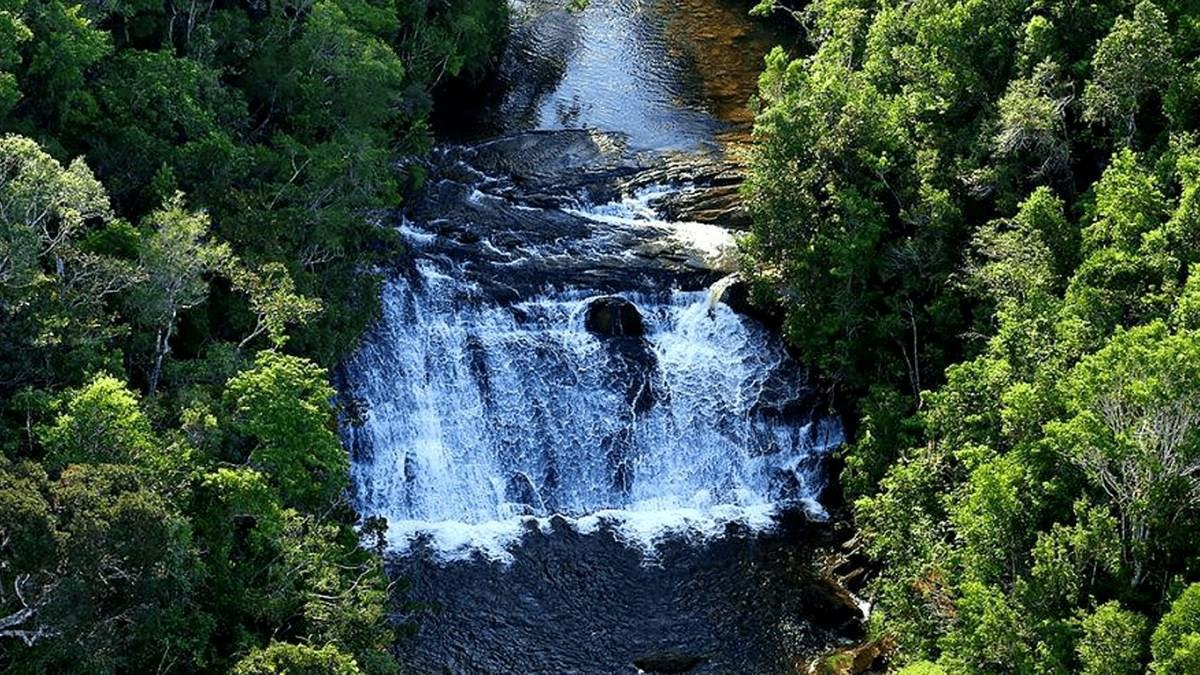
(669,74)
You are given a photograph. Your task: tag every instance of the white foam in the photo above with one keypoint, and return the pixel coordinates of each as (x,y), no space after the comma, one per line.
(462,397)
(413,235)
(711,243)
(643,530)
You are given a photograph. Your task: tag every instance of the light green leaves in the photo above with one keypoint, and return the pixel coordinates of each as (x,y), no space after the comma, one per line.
(1176,641)
(283,407)
(1113,641)
(101,424)
(44,207)
(1132,63)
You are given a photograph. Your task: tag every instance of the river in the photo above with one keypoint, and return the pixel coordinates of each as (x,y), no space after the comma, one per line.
(592,455)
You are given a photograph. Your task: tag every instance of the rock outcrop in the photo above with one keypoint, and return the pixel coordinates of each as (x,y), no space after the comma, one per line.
(614,316)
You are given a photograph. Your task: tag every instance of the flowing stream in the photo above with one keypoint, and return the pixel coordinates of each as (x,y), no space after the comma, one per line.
(590,454)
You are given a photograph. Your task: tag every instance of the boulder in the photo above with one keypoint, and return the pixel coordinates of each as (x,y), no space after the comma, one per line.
(734,292)
(614,316)
(868,657)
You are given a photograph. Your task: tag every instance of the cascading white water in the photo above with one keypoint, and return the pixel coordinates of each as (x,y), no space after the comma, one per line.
(483,419)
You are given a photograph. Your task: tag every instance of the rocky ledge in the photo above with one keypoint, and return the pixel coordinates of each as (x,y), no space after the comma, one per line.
(576,208)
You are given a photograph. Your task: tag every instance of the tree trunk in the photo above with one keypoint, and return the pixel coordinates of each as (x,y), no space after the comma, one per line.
(162,345)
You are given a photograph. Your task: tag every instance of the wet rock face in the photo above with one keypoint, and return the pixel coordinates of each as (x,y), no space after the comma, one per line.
(512,213)
(715,199)
(547,161)
(613,316)
(631,365)
(521,491)
(735,292)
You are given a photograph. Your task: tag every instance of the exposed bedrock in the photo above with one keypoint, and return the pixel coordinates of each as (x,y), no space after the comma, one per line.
(522,212)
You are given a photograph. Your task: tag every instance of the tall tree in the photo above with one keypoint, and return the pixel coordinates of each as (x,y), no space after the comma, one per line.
(177,257)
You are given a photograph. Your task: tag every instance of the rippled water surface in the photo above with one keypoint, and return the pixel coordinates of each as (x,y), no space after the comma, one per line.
(670,74)
(742,604)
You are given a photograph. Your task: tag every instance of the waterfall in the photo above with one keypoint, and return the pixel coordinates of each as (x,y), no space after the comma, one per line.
(568,379)
(482,418)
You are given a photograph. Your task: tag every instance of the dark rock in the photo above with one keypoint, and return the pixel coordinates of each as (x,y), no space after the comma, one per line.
(668,662)
(833,608)
(784,484)
(734,292)
(632,368)
(541,158)
(713,190)
(520,490)
(511,215)
(869,657)
(615,317)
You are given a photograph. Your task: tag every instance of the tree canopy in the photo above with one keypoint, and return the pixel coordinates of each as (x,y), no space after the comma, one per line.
(979,220)
(190,200)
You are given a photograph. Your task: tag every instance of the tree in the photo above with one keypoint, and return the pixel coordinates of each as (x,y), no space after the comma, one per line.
(177,257)
(274,300)
(102,424)
(282,407)
(922,668)
(337,590)
(180,532)
(29,542)
(829,165)
(239,521)
(156,115)
(948,202)
(1131,63)
(995,517)
(1136,414)
(55,324)
(44,207)
(1013,264)
(101,575)
(989,635)
(65,46)
(1033,121)
(1176,640)
(1113,641)
(1130,203)
(292,659)
(13,32)
(1129,269)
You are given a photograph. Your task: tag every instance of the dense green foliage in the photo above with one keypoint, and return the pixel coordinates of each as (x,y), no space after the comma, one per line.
(189,200)
(981,218)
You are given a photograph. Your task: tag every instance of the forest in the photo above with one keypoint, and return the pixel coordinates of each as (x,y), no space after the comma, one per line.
(186,246)
(982,220)
(979,219)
